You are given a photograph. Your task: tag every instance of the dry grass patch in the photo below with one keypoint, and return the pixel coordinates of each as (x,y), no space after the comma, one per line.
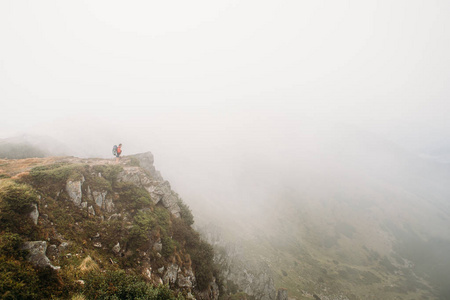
(88,265)
(12,167)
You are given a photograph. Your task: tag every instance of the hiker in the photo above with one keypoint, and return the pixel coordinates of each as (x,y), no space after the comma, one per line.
(117,151)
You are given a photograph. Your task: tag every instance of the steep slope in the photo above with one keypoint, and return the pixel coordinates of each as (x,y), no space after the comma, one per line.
(349,217)
(92,227)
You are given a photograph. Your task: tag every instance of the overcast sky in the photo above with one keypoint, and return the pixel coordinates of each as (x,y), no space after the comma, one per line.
(183,68)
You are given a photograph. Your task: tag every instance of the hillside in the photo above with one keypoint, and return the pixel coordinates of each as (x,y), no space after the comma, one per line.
(91,228)
(356,217)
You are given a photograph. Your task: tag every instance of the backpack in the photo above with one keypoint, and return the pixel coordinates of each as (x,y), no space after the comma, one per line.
(114,151)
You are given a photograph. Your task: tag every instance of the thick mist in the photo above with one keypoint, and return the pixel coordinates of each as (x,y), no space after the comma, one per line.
(323,119)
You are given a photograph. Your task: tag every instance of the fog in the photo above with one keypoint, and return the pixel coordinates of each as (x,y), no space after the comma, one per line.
(243,103)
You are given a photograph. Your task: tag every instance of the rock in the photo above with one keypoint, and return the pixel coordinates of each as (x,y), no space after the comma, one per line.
(73,189)
(36,255)
(114,217)
(97,245)
(184,281)
(91,210)
(99,198)
(89,193)
(34,214)
(108,205)
(146,161)
(80,282)
(157,246)
(161,270)
(116,248)
(84,204)
(147,273)
(282,294)
(161,191)
(171,274)
(63,247)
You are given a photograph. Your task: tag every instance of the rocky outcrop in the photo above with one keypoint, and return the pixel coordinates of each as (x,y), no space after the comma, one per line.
(160,191)
(37,254)
(171,274)
(187,279)
(146,162)
(102,201)
(116,249)
(34,214)
(73,189)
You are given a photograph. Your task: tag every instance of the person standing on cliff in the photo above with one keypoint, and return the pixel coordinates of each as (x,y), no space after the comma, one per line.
(118,153)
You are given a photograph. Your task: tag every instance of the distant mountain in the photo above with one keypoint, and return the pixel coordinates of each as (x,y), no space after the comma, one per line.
(26,146)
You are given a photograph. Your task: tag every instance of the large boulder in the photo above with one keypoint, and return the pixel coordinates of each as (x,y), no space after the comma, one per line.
(73,189)
(171,274)
(186,279)
(160,191)
(36,254)
(146,162)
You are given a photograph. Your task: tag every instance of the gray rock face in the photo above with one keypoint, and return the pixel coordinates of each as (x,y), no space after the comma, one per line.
(116,248)
(91,210)
(157,246)
(99,198)
(34,214)
(186,280)
(36,255)
(146,162)
(160,191)
(171,274)
(73,189)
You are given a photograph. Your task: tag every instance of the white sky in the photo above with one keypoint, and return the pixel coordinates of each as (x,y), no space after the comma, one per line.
(183,67)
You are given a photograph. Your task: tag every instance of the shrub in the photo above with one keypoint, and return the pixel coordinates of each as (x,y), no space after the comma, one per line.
(18,280)
(144,223)
(202,259)
(17,197)
(109,172)
(132,196)
(57,173)
(119,285)
(15,201)
(10,244)
(186,213)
